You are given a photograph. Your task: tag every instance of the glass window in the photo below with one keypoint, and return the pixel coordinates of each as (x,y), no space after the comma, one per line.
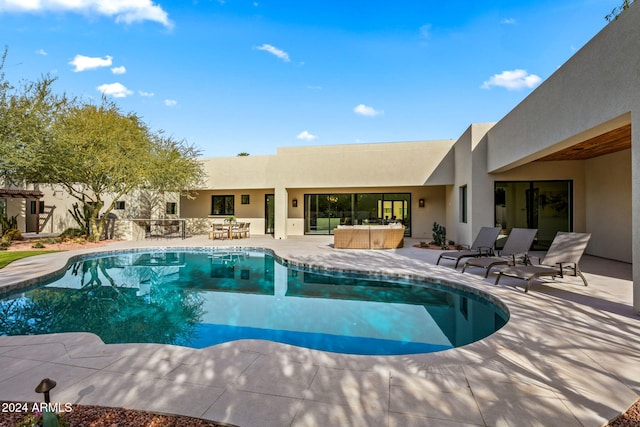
(545,205)
(324,212)
(222,205)
(172,208)
(244,199)
(32,208)
(463,204)
(120,205)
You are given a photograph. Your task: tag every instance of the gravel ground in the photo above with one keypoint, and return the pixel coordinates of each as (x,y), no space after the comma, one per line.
(67,245)
(98,416)
(631,418)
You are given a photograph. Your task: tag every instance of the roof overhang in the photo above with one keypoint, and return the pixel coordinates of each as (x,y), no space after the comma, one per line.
(25,194)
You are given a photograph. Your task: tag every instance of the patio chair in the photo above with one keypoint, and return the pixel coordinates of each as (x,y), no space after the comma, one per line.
(563,254)
(515,249)
(238,230)
(482,245)
(218,231)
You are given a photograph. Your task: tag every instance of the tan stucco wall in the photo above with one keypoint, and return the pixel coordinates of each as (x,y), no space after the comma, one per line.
(16,207)
(57,199)
(365,165)
(608,205)
(200,207)
(331,166)
(198,210)
(138,204)
(470,159)
(365,168)
(238,172)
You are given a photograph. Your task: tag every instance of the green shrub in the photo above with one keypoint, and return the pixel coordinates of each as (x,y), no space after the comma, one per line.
(13,234)
(38,245)
(5,242)
(70,233)
(439,235)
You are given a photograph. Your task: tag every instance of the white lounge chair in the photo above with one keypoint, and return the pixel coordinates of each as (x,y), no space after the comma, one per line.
(564,253)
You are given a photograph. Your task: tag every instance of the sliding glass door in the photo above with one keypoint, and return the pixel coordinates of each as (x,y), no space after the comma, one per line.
(324,212)
(545,205)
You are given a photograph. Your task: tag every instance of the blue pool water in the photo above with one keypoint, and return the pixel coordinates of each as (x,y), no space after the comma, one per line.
(202,298)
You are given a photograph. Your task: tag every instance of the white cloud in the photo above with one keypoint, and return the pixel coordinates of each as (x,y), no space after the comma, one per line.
(425,31)
(145,94)
(275,51)
(119,70)
(127,11)
(365,110)
(83,63)
(508,21)
(512,80)
(170,102)
(41,52)
(117,90)
(305,135)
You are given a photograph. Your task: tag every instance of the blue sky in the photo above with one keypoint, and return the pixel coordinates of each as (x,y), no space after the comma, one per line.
(233,76)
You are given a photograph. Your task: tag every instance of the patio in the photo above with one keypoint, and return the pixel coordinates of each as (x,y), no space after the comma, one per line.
(568,356)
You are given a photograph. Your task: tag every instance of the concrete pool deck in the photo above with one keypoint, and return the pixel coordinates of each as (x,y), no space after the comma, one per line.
(570,356)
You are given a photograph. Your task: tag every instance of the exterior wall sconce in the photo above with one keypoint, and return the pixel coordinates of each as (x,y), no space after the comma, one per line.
(421,203)
(294,203)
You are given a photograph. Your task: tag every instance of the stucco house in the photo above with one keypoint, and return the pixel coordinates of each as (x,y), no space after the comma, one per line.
(567,158)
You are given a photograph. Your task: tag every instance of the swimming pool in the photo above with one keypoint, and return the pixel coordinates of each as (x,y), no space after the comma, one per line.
(199,298)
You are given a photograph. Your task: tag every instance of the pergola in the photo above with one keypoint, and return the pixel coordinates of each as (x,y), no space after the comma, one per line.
(24,194)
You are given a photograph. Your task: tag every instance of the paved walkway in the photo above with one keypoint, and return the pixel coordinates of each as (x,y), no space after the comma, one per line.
(569,356)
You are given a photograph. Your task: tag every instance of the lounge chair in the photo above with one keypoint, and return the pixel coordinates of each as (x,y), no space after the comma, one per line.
(564,253)
(515,249)
(482,245)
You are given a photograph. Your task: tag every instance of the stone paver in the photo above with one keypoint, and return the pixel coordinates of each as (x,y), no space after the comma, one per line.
(570,355)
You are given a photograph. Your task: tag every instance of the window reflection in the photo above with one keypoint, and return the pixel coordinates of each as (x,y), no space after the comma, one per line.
(324,212)
(545,205)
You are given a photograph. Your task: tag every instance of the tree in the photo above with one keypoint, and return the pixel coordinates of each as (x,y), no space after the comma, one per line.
(94,152)
(97,151)
(26,116)
(618,10)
